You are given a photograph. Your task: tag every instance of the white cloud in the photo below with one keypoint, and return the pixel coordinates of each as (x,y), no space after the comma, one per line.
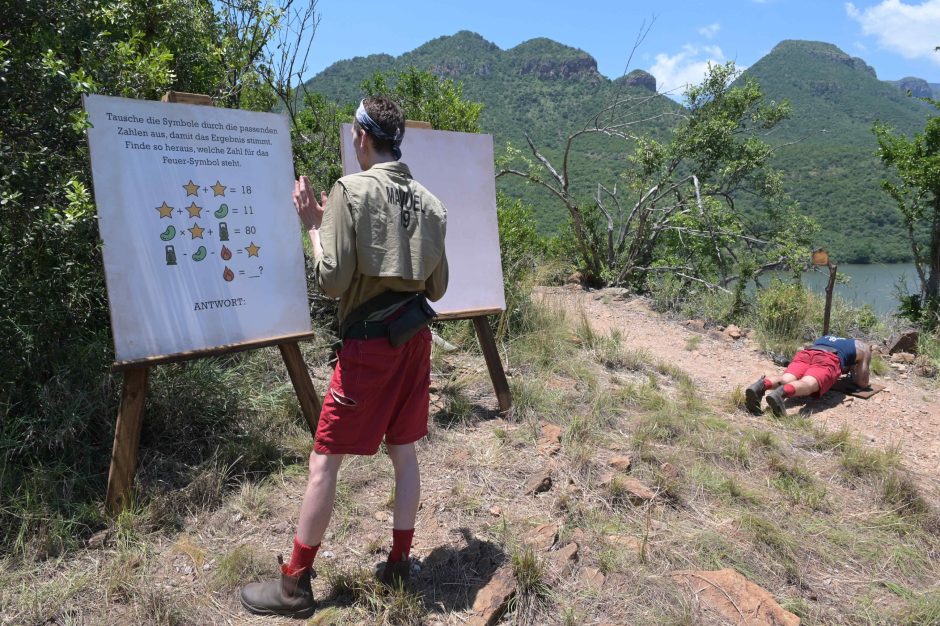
(709,31)
(912,30)
(688,67)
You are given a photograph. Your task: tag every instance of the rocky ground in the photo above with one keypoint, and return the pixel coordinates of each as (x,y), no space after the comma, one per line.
(624,483)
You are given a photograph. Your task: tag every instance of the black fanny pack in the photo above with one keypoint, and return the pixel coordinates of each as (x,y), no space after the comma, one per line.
(414,314)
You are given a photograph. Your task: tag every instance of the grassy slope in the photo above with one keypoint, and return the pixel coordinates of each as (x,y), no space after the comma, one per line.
(831,528)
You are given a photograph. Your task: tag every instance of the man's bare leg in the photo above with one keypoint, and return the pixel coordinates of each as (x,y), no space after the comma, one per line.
(787,389)
(397,569)
(318,501)
(407,485)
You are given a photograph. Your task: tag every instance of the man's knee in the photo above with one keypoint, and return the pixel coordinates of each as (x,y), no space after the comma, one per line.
(324,466)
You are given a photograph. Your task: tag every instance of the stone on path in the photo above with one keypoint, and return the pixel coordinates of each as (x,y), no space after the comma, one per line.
(733,332)
(563,560)
(539,483)
(543,537)
(905,342)
(550,442)
(491,601)
(735,598)
(621,463)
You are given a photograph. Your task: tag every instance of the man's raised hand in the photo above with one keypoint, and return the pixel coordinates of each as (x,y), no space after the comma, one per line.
(309,210)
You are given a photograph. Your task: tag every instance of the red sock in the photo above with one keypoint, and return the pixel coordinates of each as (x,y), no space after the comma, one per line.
(789,390)
(767,384)
(301,558)
(401,544)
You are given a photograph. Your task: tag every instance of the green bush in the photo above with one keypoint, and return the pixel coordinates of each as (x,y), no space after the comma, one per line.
(783,310)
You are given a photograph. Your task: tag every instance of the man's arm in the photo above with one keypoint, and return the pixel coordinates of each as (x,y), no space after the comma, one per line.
(436,284)
(861,371)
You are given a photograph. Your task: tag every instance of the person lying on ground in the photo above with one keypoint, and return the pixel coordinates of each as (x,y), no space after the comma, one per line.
(812,371)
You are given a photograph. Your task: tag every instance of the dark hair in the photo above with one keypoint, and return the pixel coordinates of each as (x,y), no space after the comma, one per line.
(386,113)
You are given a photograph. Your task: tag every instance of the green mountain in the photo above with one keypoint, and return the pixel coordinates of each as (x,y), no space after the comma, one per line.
(827,150)
(547,90)
(540,88)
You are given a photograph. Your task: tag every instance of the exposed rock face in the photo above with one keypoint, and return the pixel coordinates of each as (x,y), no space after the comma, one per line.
(918,87)
(639,78)
(584,66)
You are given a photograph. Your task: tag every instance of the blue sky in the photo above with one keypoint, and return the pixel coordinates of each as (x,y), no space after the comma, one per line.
(896,37)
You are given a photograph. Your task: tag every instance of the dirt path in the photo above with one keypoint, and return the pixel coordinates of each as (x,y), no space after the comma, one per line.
(906,413)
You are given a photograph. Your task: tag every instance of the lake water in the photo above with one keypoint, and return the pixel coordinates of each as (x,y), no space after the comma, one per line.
(868,284)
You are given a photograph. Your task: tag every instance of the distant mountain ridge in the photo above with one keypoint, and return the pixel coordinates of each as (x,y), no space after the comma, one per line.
(547,90)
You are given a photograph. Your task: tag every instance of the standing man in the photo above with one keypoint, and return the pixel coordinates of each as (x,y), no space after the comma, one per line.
(378,239)
(812,372)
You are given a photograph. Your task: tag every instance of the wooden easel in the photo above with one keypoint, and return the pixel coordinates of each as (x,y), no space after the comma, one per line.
(483,331)
(136,373)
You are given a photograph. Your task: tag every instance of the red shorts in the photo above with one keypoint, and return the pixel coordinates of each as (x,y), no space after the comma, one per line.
(376,391)
(821,365)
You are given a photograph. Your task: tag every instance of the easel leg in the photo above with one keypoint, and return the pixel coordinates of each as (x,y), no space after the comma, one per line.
(493,363)
(303,385)
(126,438)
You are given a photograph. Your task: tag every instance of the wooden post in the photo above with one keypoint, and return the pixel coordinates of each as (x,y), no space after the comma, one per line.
(126,438)
(493,363)
(829,289)
(303,384)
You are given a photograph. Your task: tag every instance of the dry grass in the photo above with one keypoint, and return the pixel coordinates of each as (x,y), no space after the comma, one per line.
(835,530)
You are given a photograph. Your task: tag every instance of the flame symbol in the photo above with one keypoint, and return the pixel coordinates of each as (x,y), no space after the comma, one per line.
(228,274)
(226,254)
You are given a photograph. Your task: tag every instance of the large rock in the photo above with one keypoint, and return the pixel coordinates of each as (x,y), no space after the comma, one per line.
(735,598)
(918,87)
(905,342)
(493,598)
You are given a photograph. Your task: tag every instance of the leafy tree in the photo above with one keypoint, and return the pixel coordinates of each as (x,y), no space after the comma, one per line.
(425,97)
(673,209)
(916,191)
(55,388)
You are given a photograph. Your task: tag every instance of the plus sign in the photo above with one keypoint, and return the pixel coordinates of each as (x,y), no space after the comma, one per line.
(180,211)
(210,232)
(206,189)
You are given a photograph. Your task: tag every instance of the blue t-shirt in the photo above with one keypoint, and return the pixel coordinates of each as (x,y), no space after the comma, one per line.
(845,349)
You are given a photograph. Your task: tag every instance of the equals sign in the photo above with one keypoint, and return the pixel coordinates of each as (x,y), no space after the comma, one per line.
(232,189)
(241,272)
(238,252)
(234,210)
(238,231)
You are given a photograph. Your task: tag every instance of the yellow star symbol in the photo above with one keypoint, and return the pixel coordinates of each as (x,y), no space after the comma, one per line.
(253,249)
(192,189)
(194,211)
(165,210)
(196,231)
(218,189)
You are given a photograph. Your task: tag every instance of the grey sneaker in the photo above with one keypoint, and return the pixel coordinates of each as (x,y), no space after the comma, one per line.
(775,401)
(753,395)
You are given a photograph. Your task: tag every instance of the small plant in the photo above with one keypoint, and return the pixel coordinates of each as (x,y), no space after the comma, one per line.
(693,342)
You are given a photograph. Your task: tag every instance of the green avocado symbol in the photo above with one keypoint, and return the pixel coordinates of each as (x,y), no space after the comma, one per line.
(169,233)
(200,254)
(222,211)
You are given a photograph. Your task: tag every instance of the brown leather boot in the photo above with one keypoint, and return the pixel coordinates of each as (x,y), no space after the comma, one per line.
(394,574)
(291,596)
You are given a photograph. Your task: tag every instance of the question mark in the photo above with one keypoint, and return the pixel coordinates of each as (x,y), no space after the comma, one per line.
(260,269)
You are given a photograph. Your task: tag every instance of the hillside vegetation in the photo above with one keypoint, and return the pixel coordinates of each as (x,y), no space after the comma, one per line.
(547,90)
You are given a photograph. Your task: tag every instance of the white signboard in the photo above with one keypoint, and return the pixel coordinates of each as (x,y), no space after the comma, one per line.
(458,169)
(201,245)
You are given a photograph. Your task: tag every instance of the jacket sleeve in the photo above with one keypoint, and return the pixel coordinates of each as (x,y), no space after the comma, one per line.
(335,269)
(436,284)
